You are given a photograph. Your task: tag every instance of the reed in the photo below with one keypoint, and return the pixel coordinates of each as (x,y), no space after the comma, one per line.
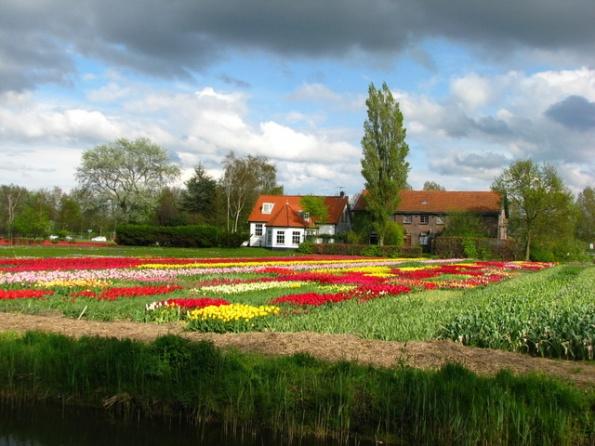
(297,395)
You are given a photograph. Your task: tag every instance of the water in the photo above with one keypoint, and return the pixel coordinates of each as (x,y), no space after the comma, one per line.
(54,425)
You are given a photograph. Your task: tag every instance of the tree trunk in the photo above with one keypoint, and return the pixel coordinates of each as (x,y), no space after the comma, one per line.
(528,247)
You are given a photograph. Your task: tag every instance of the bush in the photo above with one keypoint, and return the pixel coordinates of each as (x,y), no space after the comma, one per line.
(359,250)
(394,234)
(194,236)
(475,247)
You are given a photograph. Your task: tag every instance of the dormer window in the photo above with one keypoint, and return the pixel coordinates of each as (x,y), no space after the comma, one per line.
(267,208)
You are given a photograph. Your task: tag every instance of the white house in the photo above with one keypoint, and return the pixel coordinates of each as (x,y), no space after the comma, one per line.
(278,221)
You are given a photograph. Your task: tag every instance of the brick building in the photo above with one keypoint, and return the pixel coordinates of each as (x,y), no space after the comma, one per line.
(424,214)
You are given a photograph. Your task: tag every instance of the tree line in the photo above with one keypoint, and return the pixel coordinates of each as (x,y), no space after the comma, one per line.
(132,182)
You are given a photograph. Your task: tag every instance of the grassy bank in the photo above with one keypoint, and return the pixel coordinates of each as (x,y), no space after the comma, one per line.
(297,394)
(137,251)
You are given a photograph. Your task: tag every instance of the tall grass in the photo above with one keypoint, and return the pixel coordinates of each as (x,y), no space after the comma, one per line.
(297,394)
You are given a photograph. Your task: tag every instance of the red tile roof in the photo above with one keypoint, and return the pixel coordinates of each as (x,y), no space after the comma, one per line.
(286,210)
(442,201)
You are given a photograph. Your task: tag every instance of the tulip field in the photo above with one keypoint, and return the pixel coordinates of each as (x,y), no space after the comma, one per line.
(538,308)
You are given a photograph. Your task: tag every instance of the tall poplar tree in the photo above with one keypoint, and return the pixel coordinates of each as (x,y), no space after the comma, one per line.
(383,166)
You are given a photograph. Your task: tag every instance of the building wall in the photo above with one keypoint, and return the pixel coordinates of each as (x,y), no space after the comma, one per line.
(416,231)
(256,240)
(288,236)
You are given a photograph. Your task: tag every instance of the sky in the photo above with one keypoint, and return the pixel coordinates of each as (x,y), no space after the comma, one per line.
(480,84)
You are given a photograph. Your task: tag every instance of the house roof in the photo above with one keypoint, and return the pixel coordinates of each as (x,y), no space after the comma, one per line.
(441,201)
(286,210)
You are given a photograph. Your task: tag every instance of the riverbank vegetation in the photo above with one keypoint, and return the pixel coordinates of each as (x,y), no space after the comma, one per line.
(297,395)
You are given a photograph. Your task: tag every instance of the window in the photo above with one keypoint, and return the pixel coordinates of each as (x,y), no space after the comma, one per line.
(423,239)
(280,237)
(267,208)
(424,219)
(296,237)
(407,220)
(258,229)
(439,221)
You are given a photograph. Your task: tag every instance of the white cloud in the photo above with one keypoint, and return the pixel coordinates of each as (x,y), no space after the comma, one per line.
(502,115)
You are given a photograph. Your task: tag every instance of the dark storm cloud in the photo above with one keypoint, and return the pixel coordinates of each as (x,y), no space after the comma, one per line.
(173,39)
(574,112)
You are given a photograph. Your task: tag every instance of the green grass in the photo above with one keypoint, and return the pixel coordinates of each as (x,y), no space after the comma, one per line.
(297,395)
(138,251)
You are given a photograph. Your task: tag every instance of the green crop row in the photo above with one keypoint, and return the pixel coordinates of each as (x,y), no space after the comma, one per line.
(553,317)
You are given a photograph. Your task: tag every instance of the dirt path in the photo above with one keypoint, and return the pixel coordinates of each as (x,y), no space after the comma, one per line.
(325,346)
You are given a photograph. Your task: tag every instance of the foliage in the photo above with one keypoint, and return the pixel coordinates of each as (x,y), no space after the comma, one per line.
(384,151)
(432,185)
(394,234)
(200,196)
(464,224)
(168,209)
(549,318)
(194,236)
(294,395)
(475,247)
(243,180)
(127,174)
(585,203)
(540,207)
(32,222)
(316,208)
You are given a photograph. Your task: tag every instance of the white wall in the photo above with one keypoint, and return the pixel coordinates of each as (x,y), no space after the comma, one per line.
(256,240)
(288,237)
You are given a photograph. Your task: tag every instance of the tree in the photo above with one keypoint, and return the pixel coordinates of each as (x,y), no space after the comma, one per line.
(540,207)
(11,198)
(167,212)
(316,207)
(432,185)
(585,203)
(464,224)
(200,196)
(243,180)
(383,166)
(69,215)
(129,174)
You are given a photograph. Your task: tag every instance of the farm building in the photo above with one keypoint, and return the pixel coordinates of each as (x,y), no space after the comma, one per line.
(424,214)
(279,221)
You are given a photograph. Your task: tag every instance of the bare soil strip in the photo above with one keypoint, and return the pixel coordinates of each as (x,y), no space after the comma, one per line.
(332,347)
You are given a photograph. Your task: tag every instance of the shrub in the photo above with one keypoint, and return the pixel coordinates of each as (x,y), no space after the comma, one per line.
(475,247)
(360,250)
(195,236)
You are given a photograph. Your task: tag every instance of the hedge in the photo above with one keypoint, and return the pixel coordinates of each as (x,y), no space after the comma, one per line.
(475,247)
(193,236)
(360,250)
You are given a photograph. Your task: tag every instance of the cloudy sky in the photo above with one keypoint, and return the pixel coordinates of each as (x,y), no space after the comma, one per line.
(480,83)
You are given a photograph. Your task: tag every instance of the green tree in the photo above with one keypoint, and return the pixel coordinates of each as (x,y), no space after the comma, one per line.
(432,185)
(69,215)
(128,175)
(167,212)
(540,207)
(200,196)
(243,181)
(464,224)
(316,207)
(585,203)
(12,199)
(383,165)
